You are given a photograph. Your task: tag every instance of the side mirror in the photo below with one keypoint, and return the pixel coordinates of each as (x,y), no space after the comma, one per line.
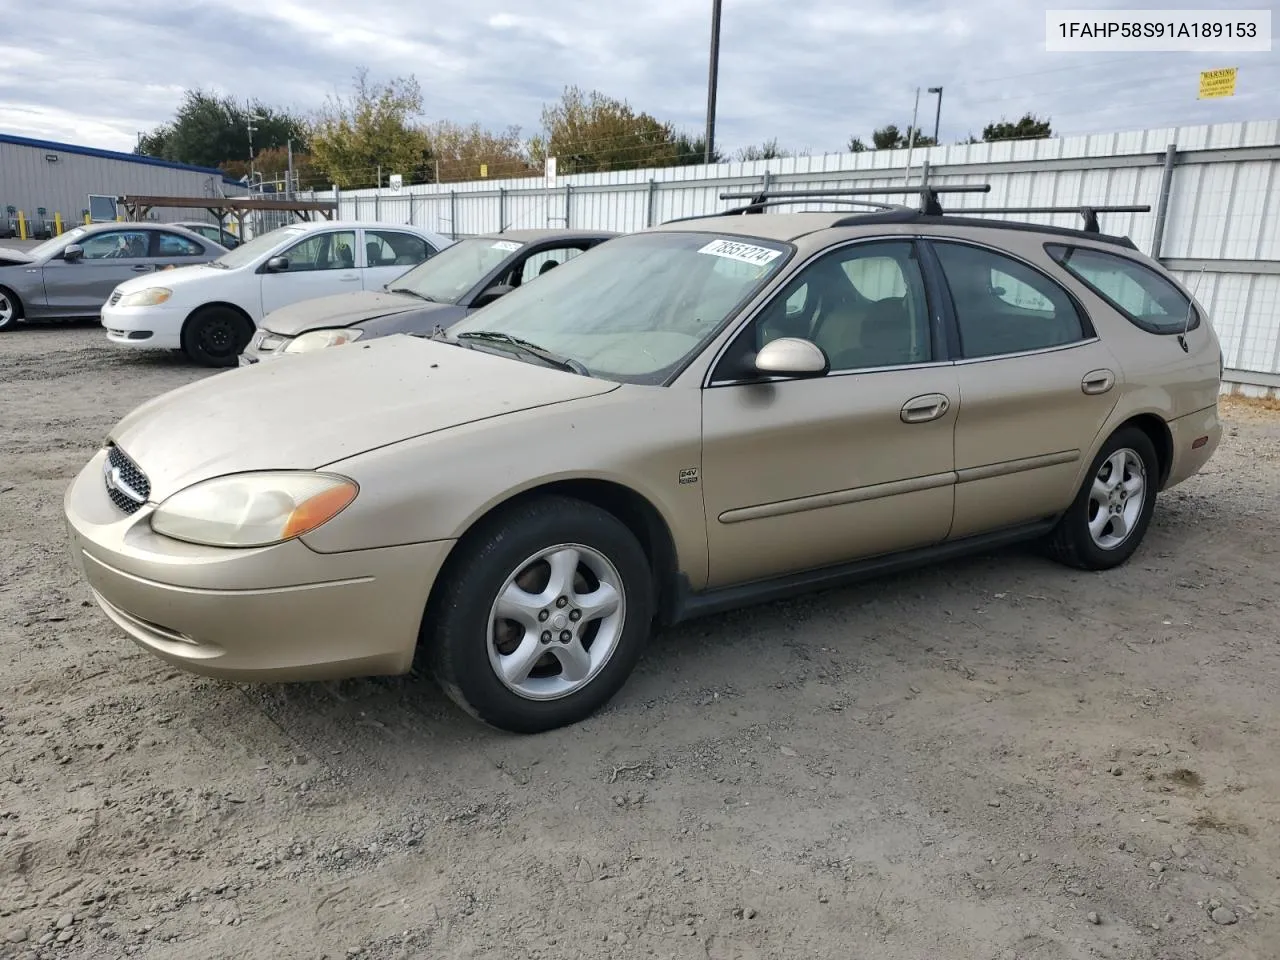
(278,265)
(72,252)
(497,291)
(791,357)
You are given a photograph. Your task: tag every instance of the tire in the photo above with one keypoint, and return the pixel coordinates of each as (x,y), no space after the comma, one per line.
(10,309)
(466,642)
(1074,542)
(215,336)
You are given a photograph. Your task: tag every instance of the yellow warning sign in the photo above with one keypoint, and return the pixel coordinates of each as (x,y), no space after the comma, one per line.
(484,170)
(1217,83)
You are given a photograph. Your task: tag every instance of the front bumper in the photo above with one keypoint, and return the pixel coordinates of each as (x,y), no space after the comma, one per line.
(146,328)
(281,613)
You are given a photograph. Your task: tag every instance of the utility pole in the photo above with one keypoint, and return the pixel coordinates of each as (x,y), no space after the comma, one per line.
(252,117)
(937,117)
(289,186)
(712,81)
(911,138)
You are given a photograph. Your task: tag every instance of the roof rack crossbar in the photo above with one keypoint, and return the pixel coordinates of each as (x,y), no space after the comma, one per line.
(1088,212)
(759,207)
(857,192)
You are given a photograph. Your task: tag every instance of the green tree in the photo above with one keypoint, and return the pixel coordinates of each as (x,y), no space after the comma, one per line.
(889,137)
(690,151)
(769,150)
(458,152)
(856,145)
(374,127)
(210,130)
(1029,127)
(590,132)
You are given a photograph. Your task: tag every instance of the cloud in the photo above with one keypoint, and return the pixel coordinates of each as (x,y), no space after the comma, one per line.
(809,72)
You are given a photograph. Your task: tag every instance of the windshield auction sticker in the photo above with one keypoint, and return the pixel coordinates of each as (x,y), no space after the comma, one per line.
(505,245)
(743,252)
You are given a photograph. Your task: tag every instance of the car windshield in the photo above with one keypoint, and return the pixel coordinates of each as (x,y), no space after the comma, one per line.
(637,308)
(57,243)
(246,253)
(447,276)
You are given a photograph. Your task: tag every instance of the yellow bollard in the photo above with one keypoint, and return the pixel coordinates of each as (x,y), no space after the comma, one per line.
(87,219)
(22,225)
(57,224)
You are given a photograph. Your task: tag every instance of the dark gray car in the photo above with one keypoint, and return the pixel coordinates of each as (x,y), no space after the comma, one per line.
(436,293)
(72,275)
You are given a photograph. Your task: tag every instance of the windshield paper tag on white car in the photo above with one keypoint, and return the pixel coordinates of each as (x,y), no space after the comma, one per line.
(744,252)
(505,245)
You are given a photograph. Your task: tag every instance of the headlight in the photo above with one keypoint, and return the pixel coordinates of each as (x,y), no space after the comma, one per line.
(319,339)
(253,509)
(150,297)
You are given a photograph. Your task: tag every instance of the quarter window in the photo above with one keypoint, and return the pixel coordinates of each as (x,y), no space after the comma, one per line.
(1005,306)
(864,305)
(1145,298)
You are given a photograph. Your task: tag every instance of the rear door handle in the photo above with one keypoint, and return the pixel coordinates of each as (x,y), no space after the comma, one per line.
(141,268)
(346,277)
(1098,381)
(931,406)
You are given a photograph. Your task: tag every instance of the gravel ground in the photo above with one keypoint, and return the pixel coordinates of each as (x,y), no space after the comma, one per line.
(995,758)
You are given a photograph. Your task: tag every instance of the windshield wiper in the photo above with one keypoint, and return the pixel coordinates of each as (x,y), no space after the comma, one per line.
(542,353)
(413,293)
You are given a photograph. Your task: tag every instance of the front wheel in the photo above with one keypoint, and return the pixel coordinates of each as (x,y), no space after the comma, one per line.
(1110,515)
(541,616)
(216,336)
(10,310)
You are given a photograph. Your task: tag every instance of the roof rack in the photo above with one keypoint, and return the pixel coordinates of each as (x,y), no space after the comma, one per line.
(929,205)
(1089,212)
(928,196)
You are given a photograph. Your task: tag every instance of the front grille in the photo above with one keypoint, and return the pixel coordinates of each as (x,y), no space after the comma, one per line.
(115,298)
(127,486)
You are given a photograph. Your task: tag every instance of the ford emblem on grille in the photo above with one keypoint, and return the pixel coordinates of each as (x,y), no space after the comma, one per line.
(127,486)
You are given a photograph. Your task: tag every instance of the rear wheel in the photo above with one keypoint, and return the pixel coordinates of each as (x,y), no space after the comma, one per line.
(1111,513)
(10,309)
(541,616)
(215,336)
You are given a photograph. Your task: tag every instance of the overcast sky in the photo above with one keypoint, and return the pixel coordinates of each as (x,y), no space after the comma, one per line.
(809,72)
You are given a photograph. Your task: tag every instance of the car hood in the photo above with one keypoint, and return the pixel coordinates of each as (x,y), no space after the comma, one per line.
(173,279)
(328,405)
(9,257)
(339,310)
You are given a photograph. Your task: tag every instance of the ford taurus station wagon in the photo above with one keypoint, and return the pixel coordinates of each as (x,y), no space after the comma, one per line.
(682,420)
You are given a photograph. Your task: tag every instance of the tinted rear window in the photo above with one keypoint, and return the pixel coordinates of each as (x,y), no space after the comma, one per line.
(1149,300)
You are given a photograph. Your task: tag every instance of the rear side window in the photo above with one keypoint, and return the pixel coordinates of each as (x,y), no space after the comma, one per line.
(1142,295)
(1004,306)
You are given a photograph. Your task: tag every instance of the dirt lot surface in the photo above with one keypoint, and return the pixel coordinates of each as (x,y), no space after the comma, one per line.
(996,758)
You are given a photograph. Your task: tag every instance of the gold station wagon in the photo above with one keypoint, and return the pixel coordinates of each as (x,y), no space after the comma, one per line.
(683,420)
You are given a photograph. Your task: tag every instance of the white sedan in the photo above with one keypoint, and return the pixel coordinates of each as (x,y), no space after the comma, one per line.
(210,312)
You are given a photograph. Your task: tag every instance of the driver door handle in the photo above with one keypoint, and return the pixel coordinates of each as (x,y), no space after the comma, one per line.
(142,268)
(923,409)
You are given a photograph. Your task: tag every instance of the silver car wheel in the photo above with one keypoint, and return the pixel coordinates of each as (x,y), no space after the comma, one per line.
(1116,498)
(8,311)
(556,622)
